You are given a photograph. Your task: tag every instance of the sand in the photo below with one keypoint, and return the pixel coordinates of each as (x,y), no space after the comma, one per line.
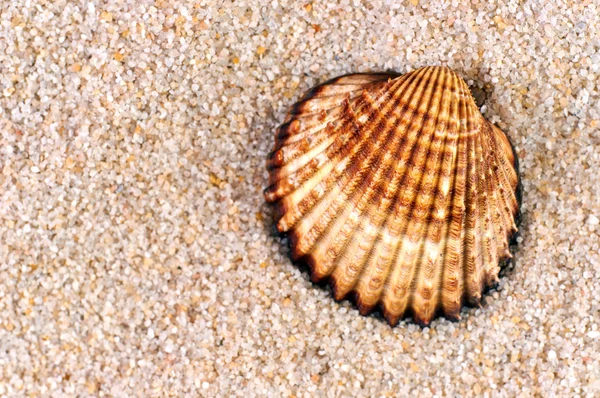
(136,254)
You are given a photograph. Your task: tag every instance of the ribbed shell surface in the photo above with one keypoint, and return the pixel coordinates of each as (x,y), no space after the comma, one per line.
(396,189)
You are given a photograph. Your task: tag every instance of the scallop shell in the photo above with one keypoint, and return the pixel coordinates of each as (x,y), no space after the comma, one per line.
(396,189)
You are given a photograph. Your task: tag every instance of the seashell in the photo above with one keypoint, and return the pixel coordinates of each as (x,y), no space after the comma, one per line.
(395,188)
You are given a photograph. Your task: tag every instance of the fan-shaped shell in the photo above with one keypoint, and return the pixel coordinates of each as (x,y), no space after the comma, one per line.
(397,189)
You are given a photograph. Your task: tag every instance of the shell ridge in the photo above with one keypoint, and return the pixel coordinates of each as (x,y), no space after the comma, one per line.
(329,185)
(307,185)
(434,267)
(396,178)
(346,285)
(314,123)
(357,177)
(359,152)
(507,218)
(402,286)
(493,236)
(508,194)
(378,214)
(323,105)
(481,213)
(358,158)
(495,224)
(303,155)
(403,224)
(322,124)
(488,242)
(502,219)
(461,222)
(393,177)
(341,264)
(468,229)
(297,186)
(451,281)
(417,253)
(294,130)
(474,276)
(451,278)
(326,131)
(451,265)
(423,268)
(412,149)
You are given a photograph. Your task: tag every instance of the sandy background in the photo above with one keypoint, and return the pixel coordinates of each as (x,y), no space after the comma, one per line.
(135,249)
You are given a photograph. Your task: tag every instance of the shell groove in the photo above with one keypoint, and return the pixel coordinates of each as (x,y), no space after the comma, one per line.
(396,189)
